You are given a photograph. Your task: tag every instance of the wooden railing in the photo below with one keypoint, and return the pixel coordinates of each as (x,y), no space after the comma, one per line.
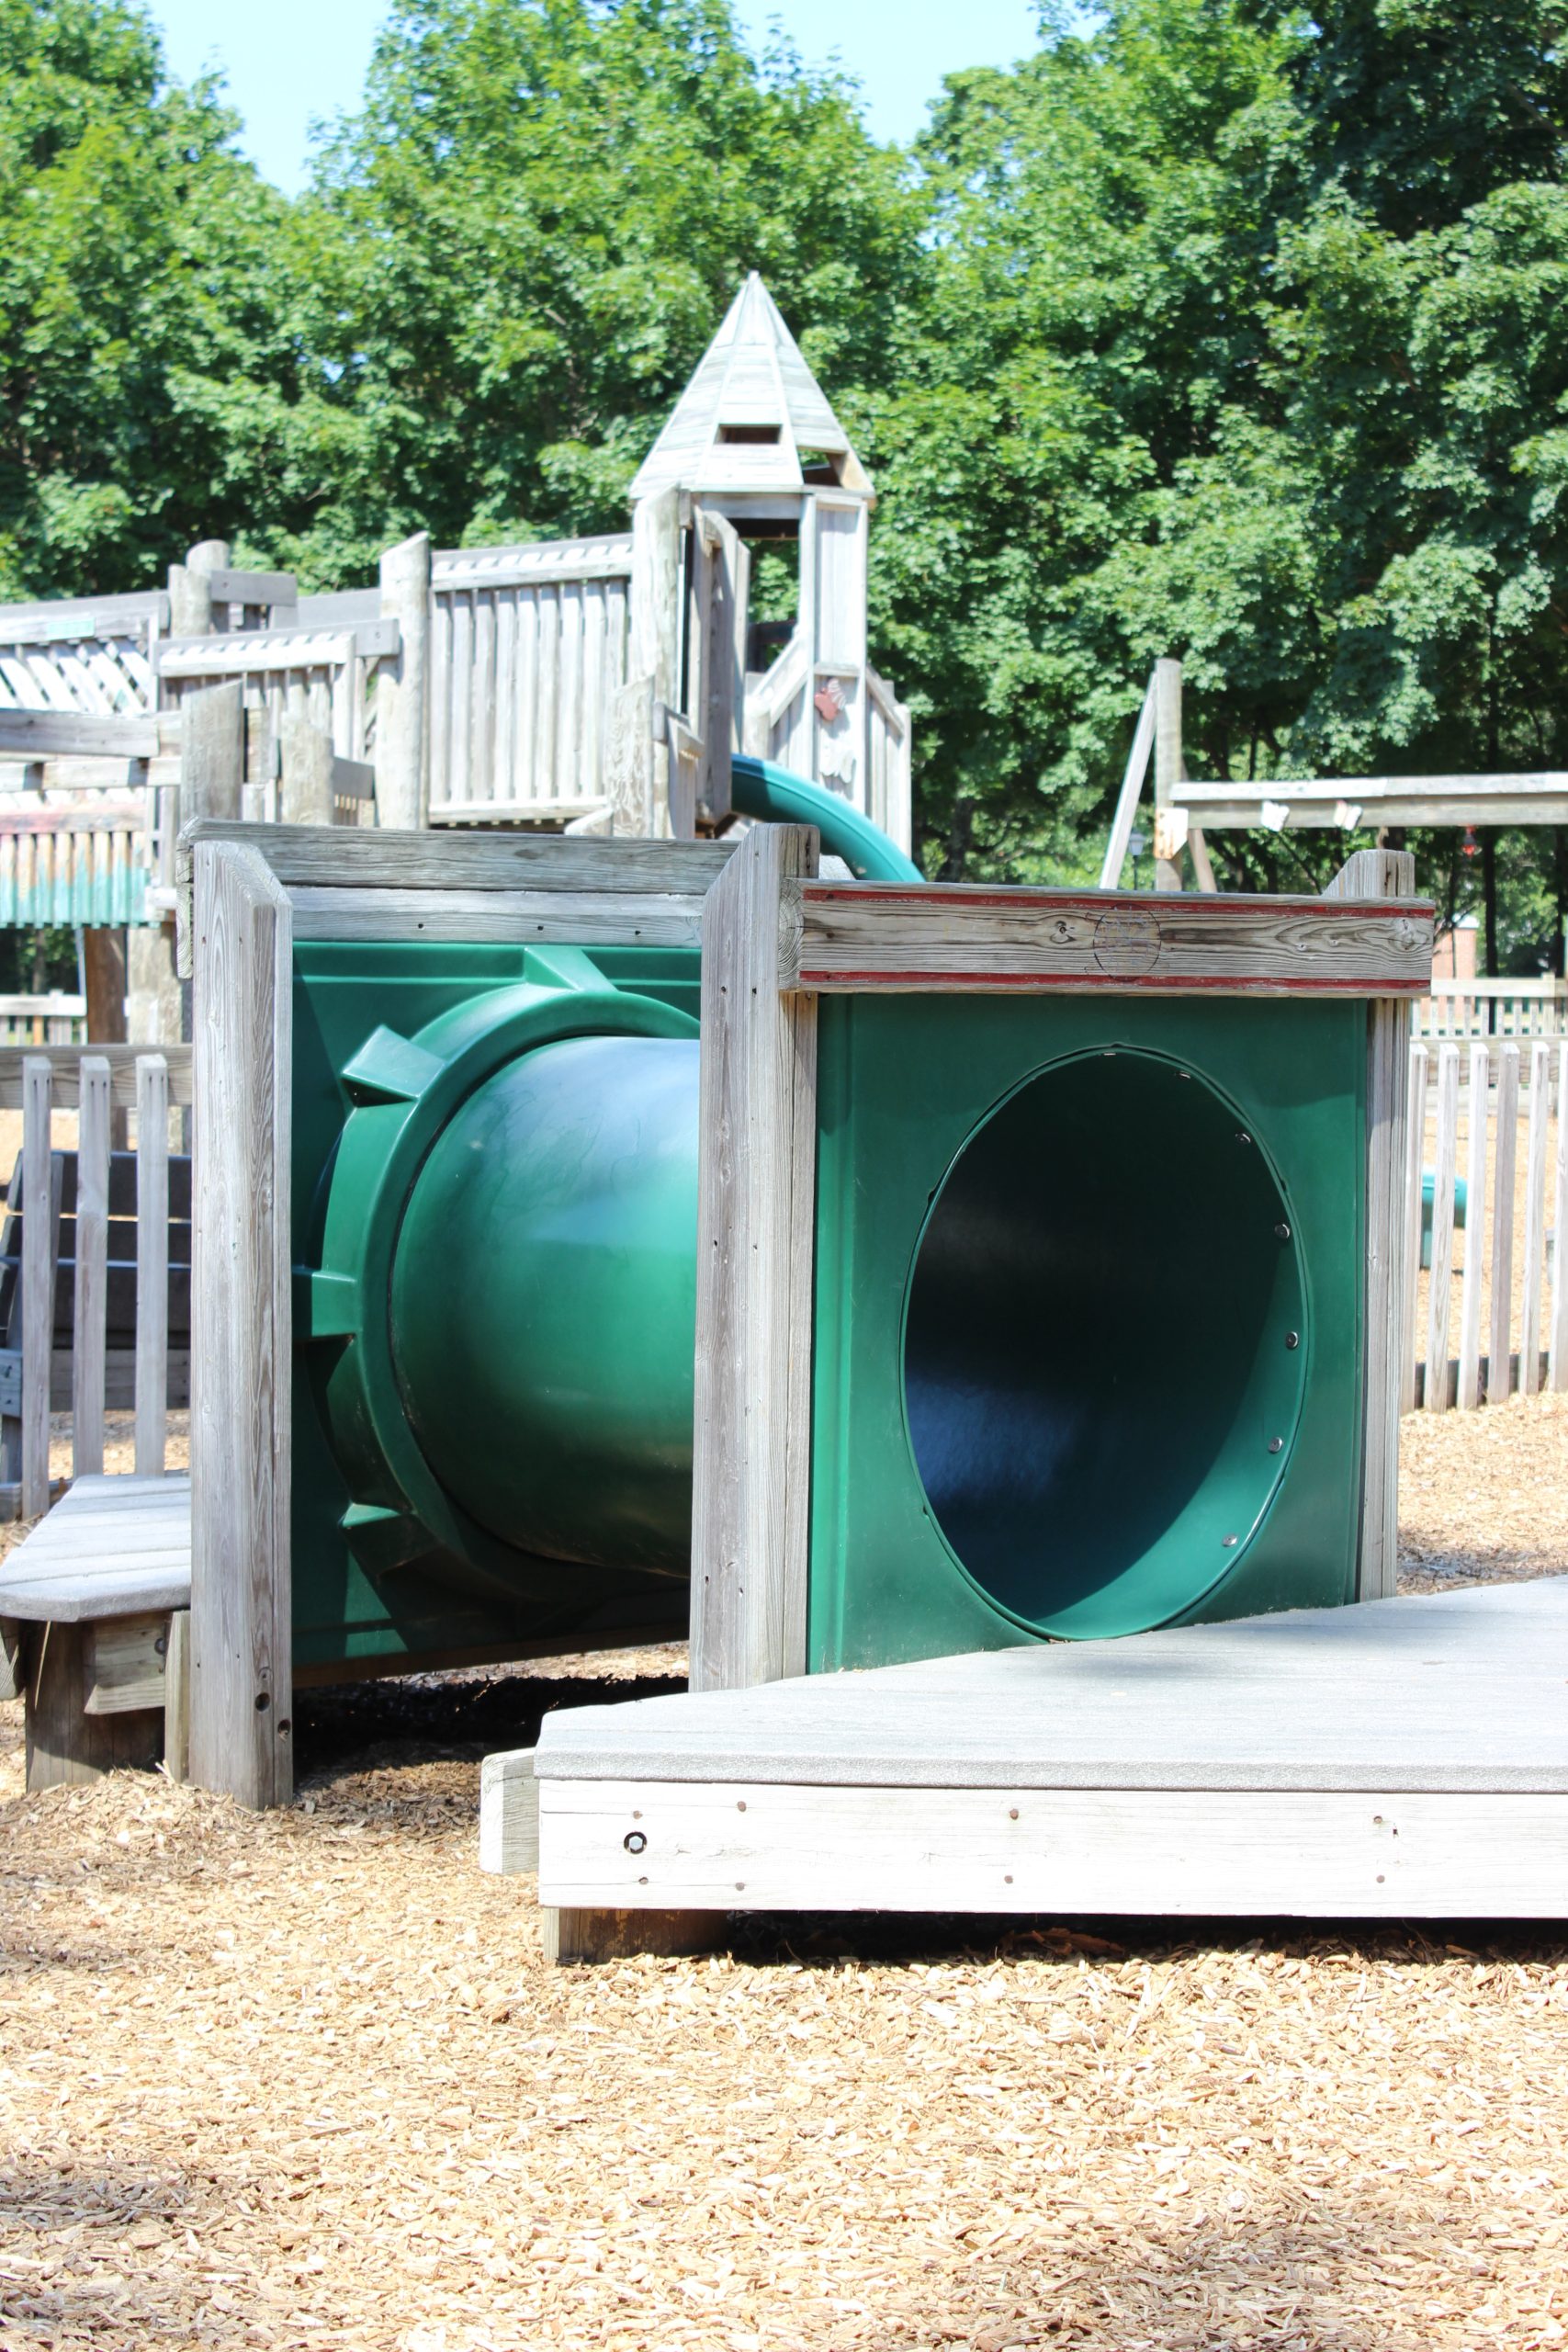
(51,1020)
(103,1197)
(1489,1136)
(1507,1008)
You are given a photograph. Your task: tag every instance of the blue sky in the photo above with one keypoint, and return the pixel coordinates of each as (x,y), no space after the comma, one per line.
(292,59)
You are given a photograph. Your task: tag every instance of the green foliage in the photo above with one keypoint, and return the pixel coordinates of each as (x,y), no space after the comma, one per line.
(1213,329)
(517,253)
(140,356)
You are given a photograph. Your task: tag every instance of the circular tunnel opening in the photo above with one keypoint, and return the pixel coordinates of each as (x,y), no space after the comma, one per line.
(1104,1345)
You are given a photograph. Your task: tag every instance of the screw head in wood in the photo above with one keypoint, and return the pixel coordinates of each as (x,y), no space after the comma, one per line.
(634,1842)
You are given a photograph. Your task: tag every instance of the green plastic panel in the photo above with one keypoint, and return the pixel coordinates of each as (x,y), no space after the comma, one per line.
(1094,1270)
(368,1582)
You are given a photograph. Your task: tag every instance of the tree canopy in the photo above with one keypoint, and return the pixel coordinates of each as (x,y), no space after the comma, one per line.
(1213,328)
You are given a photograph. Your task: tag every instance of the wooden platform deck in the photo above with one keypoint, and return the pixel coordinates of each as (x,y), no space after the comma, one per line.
(1404,1758)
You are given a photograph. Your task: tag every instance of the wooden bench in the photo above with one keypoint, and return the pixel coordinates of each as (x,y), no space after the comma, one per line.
(94,1608)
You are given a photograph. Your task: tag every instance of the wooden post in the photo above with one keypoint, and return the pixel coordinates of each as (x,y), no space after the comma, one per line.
(94,1083)
(241,1654)
(1557,1359)
(1535,1220)
(1439,1283)
(1500,1366)
(1378,874)
(152,1264)
(755,1223)
(190,588)
(176,1698)
(1130,792)
(654,633)
(38,1261)
(305,793)
(1474,1226)
(1167,760)
(212,753)
(402,690)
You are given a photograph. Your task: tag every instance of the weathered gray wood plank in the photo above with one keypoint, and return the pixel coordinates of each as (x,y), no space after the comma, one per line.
(1382,874)
(530,918)
(852,936)
(152,1264)
(240,1633)
(509,1813)
(89,1335)
(1469,1699)
(66,734)
(301,856)
(39,1262)
(1364,1855)
(65,1745)
(755,1226)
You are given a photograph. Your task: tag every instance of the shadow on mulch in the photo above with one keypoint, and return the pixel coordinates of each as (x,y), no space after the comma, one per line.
(420,1718)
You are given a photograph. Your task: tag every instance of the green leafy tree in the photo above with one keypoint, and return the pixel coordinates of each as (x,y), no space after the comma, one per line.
(516,252)
(145,379)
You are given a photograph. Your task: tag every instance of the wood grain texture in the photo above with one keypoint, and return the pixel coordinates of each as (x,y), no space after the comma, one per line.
(739,1844)
(241,1630)
(509,1813)
(39,1258)
(303,857)
(127,1663)
(152,1265)
(66,734)
(893,935)
(212,753)
(533,918)
(1382,875)
(66,1745)
(89,1333)
(756,1210)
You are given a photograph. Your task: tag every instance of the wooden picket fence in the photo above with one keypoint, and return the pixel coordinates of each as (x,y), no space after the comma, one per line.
(1488,1127)
(115,1230)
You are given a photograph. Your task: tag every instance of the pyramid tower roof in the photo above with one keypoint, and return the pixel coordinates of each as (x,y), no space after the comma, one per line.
(749,411)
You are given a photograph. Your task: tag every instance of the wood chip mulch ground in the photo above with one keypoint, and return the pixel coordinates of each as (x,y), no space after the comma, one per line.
(301,2081)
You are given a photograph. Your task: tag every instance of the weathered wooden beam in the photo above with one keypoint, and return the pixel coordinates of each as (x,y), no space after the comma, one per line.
(303,857)
(241,1651)
(1325,803)
(854,937)
(523,918)
(756,1218)
(64,734)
